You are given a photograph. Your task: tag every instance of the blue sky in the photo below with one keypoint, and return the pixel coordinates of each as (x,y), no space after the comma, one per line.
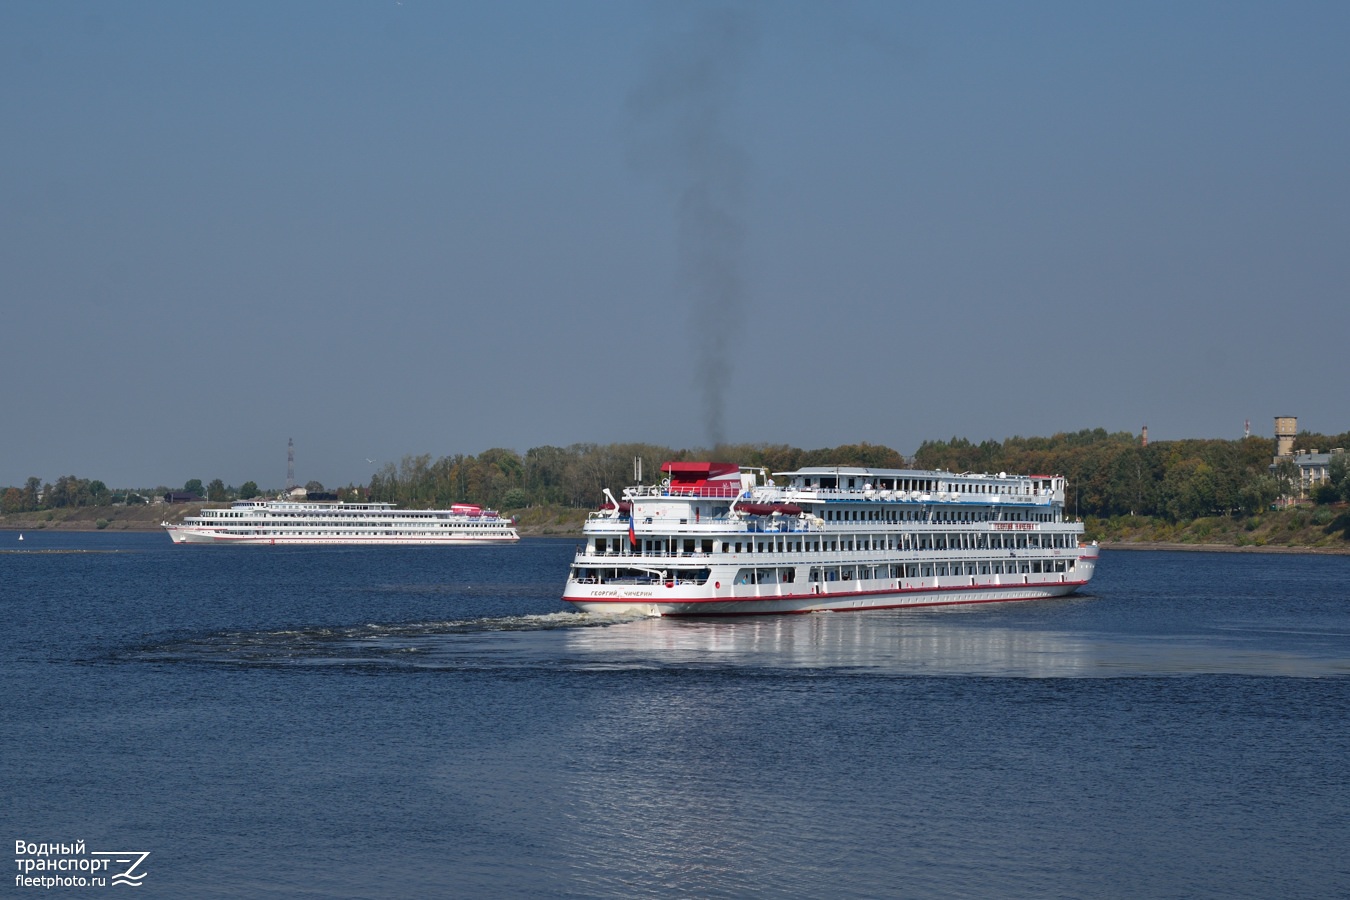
(390,228)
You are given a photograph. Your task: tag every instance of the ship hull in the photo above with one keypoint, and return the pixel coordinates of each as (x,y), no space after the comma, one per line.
(189,536)
(659,600)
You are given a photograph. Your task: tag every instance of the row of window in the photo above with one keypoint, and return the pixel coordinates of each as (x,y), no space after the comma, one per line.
(934,514)
(906,541)
(942,569)
(923,485)
(350,526)
(837,574)
(829,574)
(337,517)
(362,532)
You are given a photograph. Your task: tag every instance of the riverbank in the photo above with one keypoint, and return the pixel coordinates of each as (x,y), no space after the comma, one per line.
(1298,530)
(1219,548)
(537,522)
(147,517)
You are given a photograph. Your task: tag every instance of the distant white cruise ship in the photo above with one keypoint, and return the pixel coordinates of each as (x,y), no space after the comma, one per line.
(315,522)
(711,540)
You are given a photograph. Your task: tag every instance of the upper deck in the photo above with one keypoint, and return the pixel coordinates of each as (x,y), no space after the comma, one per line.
(289,509)
(840,484)
(827,498)
(853,483)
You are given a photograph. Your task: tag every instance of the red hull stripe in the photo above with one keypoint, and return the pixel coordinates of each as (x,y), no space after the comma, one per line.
(880,606)
(842,595)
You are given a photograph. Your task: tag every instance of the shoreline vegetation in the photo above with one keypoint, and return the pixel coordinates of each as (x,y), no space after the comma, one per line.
(1299,529)
(537,522)
(1183,494)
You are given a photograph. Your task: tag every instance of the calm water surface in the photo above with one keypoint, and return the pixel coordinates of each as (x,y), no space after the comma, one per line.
(371,722)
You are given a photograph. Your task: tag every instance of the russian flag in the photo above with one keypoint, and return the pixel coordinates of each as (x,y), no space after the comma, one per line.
(632,532)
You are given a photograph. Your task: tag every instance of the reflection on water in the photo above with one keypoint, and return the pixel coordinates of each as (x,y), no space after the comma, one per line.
(875,642)
(933,642)
(446,644)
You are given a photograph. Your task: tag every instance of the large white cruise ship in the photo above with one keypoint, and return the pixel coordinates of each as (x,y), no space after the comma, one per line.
(713,539)
(318,522)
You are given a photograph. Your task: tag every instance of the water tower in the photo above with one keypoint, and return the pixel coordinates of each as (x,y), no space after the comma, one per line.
(1285,429)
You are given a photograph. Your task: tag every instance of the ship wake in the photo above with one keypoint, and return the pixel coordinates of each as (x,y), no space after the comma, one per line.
(491,642)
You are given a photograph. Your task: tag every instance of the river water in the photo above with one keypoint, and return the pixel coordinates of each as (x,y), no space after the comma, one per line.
(372,722)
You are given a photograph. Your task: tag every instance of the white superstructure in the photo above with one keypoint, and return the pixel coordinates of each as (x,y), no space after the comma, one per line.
(712,539)
(314,522)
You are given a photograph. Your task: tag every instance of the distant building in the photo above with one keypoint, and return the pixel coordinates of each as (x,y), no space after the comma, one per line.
(181,497)
(1286,428)
(1313,468)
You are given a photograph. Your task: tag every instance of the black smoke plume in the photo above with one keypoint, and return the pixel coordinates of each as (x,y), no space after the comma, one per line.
(682,135)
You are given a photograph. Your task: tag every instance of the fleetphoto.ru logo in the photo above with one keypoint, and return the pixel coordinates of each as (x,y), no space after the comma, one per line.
(49,865)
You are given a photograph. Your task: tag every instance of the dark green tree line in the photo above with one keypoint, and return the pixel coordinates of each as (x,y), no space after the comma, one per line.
(1113,475)
(1109,474)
